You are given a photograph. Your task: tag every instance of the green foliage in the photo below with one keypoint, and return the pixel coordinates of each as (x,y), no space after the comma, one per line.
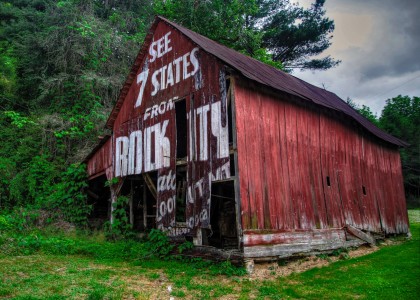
(368,114)
(41,177)
(18,120)
(5,223)
(68,196)
(158,244)
(185,246)
(401,118)
(8,74)
(93,267)
(294,35)
(120,226)
(7,169)
(61,67)
(364,111)
(226,268)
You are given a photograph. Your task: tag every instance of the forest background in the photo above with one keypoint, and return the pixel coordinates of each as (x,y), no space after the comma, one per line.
(62,64)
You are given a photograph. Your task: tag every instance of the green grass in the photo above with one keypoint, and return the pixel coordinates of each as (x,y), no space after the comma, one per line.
(393,272)
(95,269)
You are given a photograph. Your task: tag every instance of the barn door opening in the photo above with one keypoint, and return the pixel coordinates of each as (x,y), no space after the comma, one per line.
(149,200)
(223,216)
(141,194)
(99,196)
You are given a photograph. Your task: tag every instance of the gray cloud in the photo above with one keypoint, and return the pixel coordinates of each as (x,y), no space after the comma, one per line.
(378,42)
(395,45)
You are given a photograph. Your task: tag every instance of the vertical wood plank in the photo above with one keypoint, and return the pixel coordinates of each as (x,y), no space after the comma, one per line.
(240,108)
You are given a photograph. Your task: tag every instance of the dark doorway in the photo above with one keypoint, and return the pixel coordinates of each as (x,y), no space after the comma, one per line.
(181,129)
(223,216)
(99,196)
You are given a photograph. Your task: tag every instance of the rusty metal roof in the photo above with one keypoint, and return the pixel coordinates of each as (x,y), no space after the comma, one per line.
(261,73)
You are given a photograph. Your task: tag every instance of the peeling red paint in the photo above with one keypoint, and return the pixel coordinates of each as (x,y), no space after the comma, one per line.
(313,169)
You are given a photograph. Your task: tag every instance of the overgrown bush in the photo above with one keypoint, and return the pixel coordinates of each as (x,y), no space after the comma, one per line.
(120,227)
(68,197)
(158,244)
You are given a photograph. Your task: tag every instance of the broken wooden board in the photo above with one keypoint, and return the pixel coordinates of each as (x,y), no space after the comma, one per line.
(365,236)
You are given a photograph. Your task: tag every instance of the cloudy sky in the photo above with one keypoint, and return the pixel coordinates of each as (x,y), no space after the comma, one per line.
(378,42)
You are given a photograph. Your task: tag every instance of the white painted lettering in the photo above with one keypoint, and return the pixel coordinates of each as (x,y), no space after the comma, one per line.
(177,69)
(155,111)
(202,112)
(152,51)
(164,146)
(167,41)
(169,77)
(194,61)
(148,165)
(121,152)
(166,182)
(160,47)
(163,77)
(135,153)
(186,64)
(181,64)
(220,132)
(155,82)
(159,109)
(141,79)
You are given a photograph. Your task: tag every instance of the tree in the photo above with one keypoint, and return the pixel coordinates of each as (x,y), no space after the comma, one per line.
(62,64)
(364,110)
(401,118)
(276,32)
(294,35)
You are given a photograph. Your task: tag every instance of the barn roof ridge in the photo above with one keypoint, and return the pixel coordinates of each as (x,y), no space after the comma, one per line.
(256,71)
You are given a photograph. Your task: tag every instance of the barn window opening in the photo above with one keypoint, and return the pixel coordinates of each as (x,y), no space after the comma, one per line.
(328,181)
(232,164)
(223,233)
(181,195)
(364,190)
(181,129)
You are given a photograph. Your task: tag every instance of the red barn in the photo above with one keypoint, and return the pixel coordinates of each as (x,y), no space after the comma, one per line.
(214,146)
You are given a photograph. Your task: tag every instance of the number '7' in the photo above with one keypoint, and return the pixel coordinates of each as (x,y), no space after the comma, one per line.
(141,78)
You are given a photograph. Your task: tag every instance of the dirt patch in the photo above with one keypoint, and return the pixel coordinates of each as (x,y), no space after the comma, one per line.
(144,288)
(270,271)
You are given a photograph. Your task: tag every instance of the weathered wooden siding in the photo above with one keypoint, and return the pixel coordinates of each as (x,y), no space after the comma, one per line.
(303,169)
(144,135)
(100,162)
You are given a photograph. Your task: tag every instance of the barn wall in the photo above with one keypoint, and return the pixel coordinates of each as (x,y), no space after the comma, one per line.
(144,139)
(303,170)
(100,163)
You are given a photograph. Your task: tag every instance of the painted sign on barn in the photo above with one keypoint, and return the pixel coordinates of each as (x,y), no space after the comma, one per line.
(145,131)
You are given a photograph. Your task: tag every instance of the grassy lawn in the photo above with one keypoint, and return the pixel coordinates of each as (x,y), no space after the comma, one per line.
(392,272)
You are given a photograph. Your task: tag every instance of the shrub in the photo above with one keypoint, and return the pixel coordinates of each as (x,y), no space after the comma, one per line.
(120,227)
